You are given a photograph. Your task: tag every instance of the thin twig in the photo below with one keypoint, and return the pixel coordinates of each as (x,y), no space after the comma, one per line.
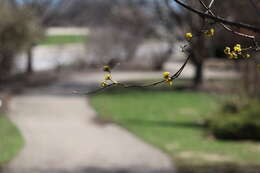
(211,3)
(219,19)
(94,91)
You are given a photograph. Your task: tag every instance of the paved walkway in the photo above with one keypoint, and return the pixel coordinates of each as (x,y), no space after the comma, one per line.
(61,137)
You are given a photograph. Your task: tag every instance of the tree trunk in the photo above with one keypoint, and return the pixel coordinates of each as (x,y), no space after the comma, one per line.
(29,69)
(198,76)
(6,64)
(198,56)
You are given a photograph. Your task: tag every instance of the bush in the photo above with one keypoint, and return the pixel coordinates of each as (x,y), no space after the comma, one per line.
(236,121)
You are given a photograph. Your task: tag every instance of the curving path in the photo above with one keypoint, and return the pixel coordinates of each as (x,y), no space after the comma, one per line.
(61,137)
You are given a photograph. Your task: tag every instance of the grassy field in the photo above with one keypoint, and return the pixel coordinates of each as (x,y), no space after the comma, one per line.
(173,121)
(11,140)
(63,39)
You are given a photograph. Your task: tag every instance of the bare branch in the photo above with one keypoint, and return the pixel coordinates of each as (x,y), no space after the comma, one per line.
(175,76)
(219,19)
(211,3)
(94,91)
(228,28)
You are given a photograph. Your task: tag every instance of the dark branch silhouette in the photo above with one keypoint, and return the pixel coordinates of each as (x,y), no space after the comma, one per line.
(173,77)
(218,19)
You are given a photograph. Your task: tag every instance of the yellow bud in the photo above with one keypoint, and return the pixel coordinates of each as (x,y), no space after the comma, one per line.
(106,68)
(237,48)
(104,84)
(166,75)
(108,77)
(170,83)
(247,56)
(227,50)
(210,32)
(188,35)
(238,45)
(258,67)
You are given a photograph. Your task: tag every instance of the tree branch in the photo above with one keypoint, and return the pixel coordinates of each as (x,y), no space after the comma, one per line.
(173,77)
(228,28)
(219,19)
(211,3)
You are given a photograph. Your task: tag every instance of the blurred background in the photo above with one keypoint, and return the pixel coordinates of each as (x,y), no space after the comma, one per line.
(52,53)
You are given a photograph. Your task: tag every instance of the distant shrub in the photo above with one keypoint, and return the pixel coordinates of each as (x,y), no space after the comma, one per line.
(236,121)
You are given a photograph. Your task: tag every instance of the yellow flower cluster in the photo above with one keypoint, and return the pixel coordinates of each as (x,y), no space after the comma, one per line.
(104,84)
(188,36)
(108,77)
(230,54)
(167,77)
(237,48)
(236,52)
(210,32)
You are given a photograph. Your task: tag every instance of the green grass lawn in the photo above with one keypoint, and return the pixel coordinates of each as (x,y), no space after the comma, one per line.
(11,140)
(172,121)
(63,39)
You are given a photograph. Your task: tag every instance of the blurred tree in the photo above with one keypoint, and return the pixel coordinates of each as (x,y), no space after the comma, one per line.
(175,20)
(46,13)
(125,27)
(164,18)
(18,30)
(45,10)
